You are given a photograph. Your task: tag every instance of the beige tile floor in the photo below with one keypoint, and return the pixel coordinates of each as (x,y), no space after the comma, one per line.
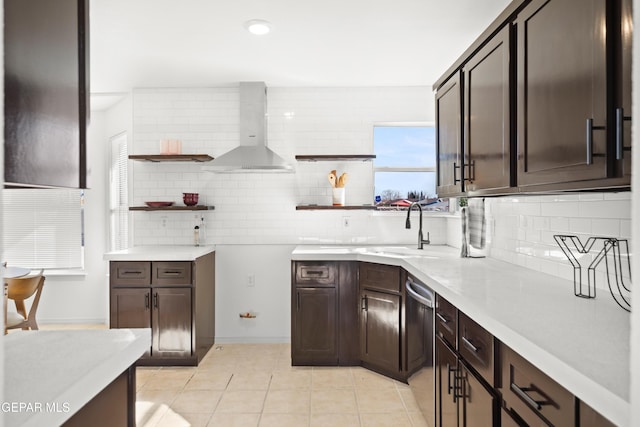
(255,385)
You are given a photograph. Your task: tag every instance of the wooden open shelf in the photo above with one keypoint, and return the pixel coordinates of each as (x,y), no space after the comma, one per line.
(172,208)
(335,157)
(171,158)
(331,207)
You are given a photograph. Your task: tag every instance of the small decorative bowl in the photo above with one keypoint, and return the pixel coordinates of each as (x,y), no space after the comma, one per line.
(190,199)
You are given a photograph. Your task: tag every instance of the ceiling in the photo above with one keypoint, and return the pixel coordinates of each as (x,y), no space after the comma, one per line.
(178,43)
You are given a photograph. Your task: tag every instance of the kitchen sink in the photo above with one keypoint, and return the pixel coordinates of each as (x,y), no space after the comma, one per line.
(398,252)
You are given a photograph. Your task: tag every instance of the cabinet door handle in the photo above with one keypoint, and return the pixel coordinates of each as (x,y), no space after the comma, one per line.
(155,300)
(469,344)
(455,173)
(452,387)
(146,301)
(364,304)
(522,393)
(620,119)
(590,129)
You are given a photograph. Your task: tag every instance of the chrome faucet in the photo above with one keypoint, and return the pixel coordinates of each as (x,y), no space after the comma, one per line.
(421,240)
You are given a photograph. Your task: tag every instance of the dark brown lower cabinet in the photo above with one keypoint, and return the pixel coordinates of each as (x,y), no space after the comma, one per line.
(324,313)
(380,331)
(315,326)
(167,311)
(446,363)
(172,322)
(176,299)
(130,308)
(590,418)
(532,396)
(462,400)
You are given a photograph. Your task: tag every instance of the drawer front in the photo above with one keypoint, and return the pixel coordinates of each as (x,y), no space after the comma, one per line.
(318,273)
(379,276)
(533,395)
(130,273)
(446,320)
(476,346)
(171,273)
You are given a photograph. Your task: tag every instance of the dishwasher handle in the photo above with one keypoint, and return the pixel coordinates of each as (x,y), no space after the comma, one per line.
(427,300)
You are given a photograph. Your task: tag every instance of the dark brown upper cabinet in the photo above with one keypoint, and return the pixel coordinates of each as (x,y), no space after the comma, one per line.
(487,118)
(449,137)
(623,91)
(46,86)
(546,102)
(562,92)
(574,95)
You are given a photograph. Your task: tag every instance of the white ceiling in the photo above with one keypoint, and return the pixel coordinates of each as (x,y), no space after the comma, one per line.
(177,43)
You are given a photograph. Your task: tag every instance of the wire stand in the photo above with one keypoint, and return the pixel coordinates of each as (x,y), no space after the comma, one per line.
(611,248)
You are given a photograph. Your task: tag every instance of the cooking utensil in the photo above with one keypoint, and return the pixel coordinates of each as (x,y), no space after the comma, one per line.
(342,181)
(332,178)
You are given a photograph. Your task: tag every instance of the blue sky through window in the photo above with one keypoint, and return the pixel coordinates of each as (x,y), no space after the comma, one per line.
(404,147)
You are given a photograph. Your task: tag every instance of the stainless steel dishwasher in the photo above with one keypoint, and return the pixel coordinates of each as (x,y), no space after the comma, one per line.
(420,344)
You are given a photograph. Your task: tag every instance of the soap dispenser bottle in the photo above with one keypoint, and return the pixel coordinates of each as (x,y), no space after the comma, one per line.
(196,235)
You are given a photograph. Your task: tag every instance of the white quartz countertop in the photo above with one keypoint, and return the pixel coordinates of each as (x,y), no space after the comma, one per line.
(160,253)
(53,374)
(583,344)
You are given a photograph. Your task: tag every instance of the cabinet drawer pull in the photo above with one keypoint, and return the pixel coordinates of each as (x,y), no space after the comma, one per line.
(522,393)
(171,272)
(127,272)
(620,119)
(469,344)
(442,318)
(590,129)
(315,272)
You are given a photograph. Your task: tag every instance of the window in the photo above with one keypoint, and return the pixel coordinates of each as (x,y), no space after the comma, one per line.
(43,228)
(405,167)
(118,194)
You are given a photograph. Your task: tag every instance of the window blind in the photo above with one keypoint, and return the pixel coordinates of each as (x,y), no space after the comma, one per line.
(43,228)
(119,199)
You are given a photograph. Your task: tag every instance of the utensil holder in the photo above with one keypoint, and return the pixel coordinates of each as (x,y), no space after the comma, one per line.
(338,196)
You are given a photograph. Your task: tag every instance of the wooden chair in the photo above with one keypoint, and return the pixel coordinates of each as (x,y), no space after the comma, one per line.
(20,289)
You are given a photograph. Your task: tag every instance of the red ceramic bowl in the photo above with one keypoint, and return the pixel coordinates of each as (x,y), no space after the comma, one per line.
(190,199)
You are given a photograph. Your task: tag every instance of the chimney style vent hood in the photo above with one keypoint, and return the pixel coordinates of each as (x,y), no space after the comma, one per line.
(252,155)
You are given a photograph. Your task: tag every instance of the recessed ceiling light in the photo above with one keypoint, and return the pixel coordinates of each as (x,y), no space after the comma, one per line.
(258,27)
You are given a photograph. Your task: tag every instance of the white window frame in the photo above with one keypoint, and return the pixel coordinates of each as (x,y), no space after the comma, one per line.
(400,169)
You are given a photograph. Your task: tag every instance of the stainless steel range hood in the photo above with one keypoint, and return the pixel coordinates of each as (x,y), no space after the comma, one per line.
(252,155)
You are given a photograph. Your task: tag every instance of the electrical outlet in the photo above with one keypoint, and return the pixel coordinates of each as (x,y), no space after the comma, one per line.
(251,280)
(346,221)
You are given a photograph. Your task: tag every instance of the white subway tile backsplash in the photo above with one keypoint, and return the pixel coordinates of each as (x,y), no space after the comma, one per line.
(260,208)
(530,242)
